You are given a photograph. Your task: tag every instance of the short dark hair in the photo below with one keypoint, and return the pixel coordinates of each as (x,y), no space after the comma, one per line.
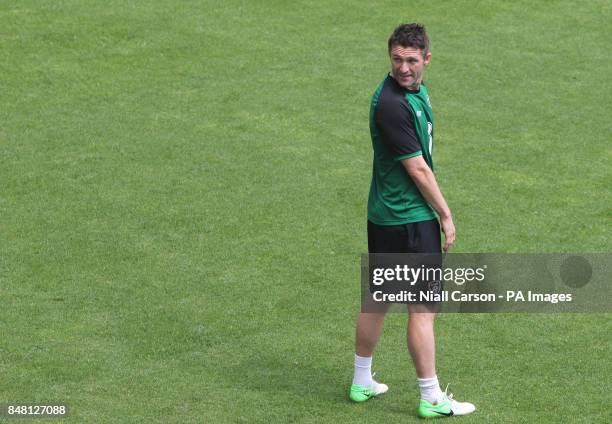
(410,35)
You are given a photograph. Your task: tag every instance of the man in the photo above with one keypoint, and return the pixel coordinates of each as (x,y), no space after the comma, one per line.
(402,205)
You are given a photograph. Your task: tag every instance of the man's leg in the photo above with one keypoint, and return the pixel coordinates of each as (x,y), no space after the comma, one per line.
(369,328)
(421,317)
(370,323)
(422,347)
(421,340)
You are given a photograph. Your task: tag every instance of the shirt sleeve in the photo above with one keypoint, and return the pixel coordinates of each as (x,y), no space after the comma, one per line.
(395,121)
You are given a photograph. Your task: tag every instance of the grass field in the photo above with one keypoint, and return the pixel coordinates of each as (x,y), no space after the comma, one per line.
(182,203)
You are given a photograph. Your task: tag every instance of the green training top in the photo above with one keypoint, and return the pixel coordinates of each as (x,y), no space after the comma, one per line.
(401,127)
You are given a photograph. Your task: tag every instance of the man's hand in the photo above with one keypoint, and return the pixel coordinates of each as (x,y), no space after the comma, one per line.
(448,228)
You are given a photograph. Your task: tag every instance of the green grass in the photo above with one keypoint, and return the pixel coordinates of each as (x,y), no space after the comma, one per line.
(183,204)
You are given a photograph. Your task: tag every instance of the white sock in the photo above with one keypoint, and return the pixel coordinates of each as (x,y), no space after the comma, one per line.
(363,371)
(430,389)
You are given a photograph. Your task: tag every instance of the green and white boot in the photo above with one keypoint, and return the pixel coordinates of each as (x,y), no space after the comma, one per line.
(448,407)
(360,393)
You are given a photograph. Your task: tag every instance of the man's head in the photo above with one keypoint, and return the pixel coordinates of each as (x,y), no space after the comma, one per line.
(409,54)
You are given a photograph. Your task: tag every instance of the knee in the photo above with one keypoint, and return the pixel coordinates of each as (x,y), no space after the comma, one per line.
(422,318)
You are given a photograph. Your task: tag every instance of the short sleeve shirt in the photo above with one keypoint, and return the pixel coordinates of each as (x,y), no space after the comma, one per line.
(401,127)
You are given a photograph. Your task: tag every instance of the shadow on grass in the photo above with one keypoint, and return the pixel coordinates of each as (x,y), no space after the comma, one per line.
(294,377)
(321,389)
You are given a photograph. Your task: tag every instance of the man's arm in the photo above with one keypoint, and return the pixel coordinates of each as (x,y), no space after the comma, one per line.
(425,180)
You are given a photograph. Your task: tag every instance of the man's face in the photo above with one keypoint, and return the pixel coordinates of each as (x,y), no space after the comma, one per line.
(407,65)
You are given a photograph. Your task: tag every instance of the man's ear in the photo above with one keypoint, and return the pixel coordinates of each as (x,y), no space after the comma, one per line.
(427,58)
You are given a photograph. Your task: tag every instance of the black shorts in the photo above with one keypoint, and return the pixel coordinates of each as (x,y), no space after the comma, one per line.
(420,238)
(415,237)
